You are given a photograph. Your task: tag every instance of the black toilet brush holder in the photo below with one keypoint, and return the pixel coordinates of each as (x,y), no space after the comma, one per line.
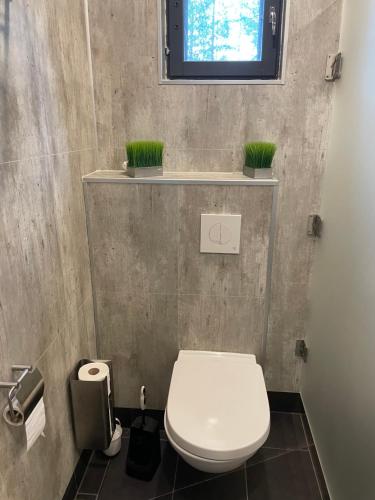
(144,453)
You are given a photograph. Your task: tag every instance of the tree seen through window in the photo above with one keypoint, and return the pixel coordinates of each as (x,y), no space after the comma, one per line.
(223,30)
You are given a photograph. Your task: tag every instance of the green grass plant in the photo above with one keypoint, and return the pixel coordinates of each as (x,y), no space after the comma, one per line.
(259,154)
(145,154)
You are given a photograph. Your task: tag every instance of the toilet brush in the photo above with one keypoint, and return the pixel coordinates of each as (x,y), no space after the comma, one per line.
(144,444)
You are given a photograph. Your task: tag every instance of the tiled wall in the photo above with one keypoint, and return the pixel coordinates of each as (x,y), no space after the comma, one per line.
(156,293)
(47,141)
(204,127)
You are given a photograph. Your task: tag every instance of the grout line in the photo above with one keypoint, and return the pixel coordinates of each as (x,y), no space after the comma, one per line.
(41,356)
(304,432)
(286,452)
(283,449)
(91,69)
(287,412)
(103,478)
(45,155)
(269,276)
(245,473)
(175,477)
(312,461)
(163,495)
(84,474)
(216,476)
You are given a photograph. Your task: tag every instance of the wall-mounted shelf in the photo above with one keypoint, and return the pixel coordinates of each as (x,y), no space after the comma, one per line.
(214,178)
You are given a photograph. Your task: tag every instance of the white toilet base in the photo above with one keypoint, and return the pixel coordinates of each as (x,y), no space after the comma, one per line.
(205,464)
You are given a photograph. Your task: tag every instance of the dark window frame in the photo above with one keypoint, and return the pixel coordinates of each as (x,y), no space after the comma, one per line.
(269,68)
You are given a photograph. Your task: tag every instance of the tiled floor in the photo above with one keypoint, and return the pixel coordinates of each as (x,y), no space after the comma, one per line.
(286,468)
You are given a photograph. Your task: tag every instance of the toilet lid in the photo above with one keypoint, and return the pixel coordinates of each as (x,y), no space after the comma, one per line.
(217,405)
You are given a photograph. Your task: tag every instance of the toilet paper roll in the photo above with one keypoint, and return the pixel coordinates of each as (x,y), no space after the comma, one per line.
(95,372)
(35,424)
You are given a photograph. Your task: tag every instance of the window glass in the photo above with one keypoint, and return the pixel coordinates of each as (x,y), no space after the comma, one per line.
(223,30)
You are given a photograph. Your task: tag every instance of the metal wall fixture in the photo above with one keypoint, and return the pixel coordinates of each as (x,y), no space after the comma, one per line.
(301,350)
(24,392)
(314,226)
(334,67)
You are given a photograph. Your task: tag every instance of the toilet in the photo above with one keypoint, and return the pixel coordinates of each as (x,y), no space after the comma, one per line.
(217,414)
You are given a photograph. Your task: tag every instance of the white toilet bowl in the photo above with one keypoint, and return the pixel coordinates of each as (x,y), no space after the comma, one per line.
(217,414)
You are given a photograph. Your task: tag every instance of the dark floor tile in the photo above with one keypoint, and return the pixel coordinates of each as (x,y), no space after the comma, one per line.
(187,475)
(231,486)
(95,472)
(288,477)
(81,466)
(319,473)
(265,454)
(306,426)
(286,432)
(71,489)
(125,432)
(117,484)
(163,435)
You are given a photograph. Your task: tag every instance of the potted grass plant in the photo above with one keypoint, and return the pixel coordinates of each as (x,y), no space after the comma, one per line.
(258,159)
(145,158)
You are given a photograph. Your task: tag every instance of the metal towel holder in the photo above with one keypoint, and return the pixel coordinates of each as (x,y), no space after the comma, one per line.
(15,416)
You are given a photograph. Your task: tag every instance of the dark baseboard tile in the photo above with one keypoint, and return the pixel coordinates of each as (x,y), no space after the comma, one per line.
(77,476)
(71,490)
(289,402)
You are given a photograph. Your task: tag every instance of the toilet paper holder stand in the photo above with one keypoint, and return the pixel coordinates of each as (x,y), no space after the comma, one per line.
(33,389)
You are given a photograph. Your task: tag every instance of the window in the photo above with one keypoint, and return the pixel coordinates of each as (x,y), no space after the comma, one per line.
(224,39)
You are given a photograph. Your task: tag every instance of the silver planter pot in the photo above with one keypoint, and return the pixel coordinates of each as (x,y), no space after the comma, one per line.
(258,173)
(144,171)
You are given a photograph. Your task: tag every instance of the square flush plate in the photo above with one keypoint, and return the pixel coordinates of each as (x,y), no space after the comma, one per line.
(220,233)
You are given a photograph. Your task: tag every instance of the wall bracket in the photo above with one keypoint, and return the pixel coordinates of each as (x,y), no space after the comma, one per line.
(301,350)
(314,226)
(334,66)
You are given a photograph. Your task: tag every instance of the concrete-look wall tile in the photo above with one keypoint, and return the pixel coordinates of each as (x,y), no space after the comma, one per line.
(45,75)
(56,364)
(139,333)
(14,484)
(204,127)
(282,366)
(232,324)
(32,286)
(144,240)
(89,318)
(4,357)
(59,433)
(133,237)
(220,274)
(45,249)
(46,311)
(70,226)
(201,160)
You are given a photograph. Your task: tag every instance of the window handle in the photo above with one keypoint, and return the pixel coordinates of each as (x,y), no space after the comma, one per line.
(273,19)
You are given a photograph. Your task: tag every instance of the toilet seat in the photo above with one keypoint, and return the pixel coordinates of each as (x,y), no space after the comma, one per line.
(217,405)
